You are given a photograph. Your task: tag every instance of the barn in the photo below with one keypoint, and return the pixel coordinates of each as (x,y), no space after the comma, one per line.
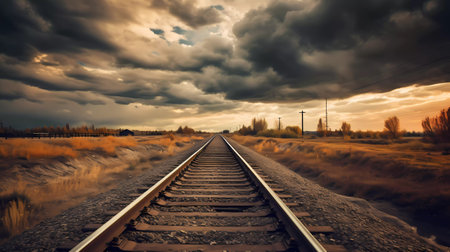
(126,132)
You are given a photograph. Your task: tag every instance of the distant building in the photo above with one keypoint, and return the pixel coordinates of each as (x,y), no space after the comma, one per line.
(225,131)
(126,133)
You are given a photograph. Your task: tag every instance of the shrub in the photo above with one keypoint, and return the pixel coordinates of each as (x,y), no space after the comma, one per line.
(294,129)
(392,127)
(269,133)
(289,134)
(320,128)
(258,125)
(245,130)
(278,133)
(438,128)
(345,128)
(185,130)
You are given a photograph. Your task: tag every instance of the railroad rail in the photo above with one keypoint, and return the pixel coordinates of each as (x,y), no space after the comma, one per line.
(215,201)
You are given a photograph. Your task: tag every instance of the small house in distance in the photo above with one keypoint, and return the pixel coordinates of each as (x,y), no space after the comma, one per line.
(126,132)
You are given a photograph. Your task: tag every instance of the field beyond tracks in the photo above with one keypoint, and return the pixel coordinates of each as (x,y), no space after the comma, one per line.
(410,174)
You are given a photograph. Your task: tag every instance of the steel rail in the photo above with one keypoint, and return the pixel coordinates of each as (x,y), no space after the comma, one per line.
(118,223)
(298,231)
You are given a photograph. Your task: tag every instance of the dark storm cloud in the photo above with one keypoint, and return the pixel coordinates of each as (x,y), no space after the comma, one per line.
(213,51)
(27,27)
(362,46)
(13,90)
(188,13)
(286,51)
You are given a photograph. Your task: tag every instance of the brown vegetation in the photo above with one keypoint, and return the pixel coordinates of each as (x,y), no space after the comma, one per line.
(321,131)
(438,128)
(70,147)
(259,128)
(24,202)
(411,174)
(346,129)
(257,125)
(185,130)
(392,127)
(58,131)
(29,148)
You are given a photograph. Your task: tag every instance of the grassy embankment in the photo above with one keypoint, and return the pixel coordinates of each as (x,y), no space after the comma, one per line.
(24,203)
(409,172)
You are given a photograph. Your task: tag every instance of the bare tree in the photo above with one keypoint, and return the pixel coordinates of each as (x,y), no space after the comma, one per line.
(320,128)
(392,127)
(259,125)
(438,128)
(346,128)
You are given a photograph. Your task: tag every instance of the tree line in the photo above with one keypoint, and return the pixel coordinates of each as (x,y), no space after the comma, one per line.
(80,131)
(435,129)
(58,131)
(259,127)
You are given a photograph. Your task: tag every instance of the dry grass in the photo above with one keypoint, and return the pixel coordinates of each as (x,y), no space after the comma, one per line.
(409,173)
(49,197)
(30,148)
(107,144)
(49,148)
(16,214)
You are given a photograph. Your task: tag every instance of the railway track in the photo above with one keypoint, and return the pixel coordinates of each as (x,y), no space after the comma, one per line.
(213,201)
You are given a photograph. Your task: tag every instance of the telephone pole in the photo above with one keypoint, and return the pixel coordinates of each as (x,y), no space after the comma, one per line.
(279,123)
(302,120)
(326,116)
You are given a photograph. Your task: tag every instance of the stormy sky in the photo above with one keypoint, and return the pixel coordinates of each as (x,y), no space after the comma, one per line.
(213,65)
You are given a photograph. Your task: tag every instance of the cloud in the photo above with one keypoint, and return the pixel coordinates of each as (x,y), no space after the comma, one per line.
(187,12)
(205,58)
(212,51)
(360,46)
(28,27)
(12,90)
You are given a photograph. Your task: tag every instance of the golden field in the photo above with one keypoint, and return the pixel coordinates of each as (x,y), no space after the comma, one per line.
(39,178)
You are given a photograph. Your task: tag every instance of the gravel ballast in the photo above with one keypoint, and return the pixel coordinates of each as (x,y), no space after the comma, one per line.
(358,226)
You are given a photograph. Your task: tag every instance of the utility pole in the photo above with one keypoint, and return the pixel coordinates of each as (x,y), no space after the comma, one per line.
(279,123)
(302,120)
(326,116)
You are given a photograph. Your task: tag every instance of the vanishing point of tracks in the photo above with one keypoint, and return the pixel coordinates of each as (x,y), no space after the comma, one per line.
(213,201)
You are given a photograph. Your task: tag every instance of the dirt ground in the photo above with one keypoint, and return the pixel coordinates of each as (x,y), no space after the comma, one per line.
(406,178)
